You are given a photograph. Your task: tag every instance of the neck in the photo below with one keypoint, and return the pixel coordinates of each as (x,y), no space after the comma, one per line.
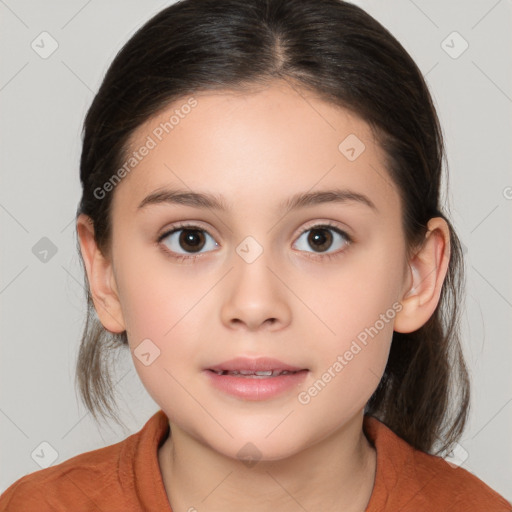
(337,473)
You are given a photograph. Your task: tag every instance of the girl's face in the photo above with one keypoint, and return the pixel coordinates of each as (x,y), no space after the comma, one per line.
(315,287)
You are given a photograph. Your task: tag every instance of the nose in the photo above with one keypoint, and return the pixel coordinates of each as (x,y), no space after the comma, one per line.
(254,296)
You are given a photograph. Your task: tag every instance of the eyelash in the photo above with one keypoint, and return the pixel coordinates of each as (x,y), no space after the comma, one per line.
(191,257)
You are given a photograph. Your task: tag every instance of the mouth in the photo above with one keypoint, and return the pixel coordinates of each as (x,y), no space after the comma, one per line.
(255,379)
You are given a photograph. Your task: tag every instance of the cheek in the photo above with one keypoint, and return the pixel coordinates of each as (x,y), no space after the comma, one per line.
(157,296)
(160,314)
(356,294)
(357,308)
(161,334)
(351,362)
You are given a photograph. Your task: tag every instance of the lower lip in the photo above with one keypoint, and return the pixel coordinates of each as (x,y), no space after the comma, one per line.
(256,388)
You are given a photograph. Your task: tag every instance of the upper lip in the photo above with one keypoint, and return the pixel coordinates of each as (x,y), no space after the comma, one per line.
(258,364)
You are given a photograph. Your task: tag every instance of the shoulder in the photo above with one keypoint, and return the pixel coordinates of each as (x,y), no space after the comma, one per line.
(120,477)
(78,483)
(444,483)
(409,479)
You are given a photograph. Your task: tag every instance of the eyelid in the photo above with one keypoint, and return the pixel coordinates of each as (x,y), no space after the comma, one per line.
(183,225)
(330,224)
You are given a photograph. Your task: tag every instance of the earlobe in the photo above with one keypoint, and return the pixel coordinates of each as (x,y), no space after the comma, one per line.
(101,278)
(428,269)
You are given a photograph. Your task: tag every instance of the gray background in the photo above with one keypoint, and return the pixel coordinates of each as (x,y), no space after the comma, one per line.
(43,104)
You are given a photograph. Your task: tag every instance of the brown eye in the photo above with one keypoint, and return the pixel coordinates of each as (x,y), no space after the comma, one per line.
(191,240)
(187,240)
(322,238)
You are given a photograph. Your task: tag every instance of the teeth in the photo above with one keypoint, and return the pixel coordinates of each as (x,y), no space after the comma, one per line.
(263,373)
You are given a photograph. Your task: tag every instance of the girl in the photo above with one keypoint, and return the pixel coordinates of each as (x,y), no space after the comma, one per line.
(260,224)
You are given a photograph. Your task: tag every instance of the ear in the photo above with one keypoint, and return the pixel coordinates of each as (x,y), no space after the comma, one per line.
(101,278)
(427,270)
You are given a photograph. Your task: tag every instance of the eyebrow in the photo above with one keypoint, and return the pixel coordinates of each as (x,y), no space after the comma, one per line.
(210,201)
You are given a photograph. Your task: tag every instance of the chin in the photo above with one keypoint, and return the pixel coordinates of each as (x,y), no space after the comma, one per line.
(252,449)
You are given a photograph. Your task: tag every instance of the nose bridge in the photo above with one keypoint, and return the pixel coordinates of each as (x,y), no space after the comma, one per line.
(252,262)
(255,295)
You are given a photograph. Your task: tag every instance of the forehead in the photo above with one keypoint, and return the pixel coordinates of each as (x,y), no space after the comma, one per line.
(254,146)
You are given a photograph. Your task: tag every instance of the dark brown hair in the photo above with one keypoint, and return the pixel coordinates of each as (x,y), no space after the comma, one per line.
(343,55)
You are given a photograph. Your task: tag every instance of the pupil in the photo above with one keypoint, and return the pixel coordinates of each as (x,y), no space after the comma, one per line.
(318,240)
(193,238)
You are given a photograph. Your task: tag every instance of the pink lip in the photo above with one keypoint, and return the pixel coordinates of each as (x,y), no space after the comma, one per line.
(255,387)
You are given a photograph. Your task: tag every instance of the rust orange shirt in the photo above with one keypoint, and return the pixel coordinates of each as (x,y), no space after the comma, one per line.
(126,477)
